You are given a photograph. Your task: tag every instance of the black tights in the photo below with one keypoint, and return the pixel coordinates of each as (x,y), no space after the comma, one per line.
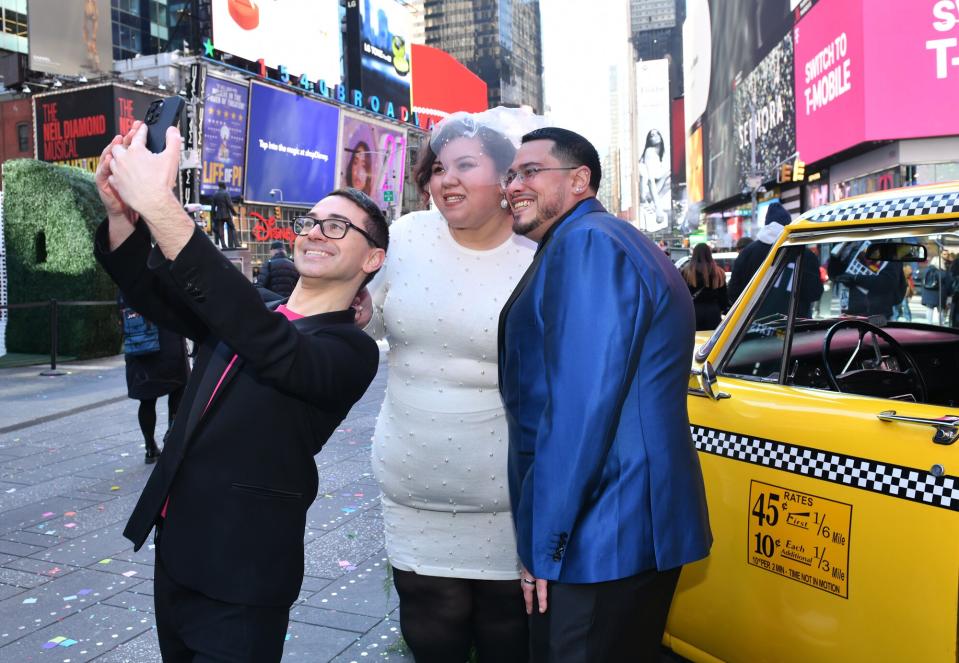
(441,618)
(147,414)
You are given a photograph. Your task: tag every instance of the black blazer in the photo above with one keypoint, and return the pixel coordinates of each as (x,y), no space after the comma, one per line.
(241,476)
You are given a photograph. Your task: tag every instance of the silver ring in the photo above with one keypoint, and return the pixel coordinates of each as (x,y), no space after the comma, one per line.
(528,581)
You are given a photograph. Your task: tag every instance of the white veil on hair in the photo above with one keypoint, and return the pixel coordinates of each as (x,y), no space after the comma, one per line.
(499,131)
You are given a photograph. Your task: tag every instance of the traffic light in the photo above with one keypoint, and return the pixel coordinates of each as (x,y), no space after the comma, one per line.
(785,172)
(799,170)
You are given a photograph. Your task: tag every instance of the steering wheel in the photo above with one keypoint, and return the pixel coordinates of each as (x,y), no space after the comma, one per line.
(873,381)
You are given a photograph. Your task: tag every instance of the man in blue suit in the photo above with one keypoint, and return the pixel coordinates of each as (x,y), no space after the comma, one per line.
(595,349)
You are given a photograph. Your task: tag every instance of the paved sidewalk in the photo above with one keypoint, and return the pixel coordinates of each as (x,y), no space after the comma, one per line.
(72,589)
(28,397)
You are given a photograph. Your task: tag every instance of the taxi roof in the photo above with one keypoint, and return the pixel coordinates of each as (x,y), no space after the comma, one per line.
(933,202)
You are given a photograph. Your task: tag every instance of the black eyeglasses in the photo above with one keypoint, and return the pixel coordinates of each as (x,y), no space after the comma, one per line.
(331,228)
(525,174)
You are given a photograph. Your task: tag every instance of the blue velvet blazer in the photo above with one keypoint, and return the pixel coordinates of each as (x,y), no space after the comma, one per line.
(595,349)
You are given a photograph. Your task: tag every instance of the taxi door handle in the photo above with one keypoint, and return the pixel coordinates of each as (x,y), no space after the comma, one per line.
(947,427)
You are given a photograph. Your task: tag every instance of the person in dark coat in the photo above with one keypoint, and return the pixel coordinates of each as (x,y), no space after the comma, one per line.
(707,285)
(873,287)
(278,273)
(149,376)
(751,258)
(222,211)
(937,288)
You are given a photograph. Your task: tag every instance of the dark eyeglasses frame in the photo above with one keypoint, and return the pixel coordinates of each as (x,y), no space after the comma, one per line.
(299,222)
(528,174)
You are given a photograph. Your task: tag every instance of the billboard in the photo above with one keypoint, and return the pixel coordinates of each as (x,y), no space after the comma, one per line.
(73,127)
(291,147)
(875,72)
(224,135)
(385,58)
(442,85)
(652,130)
(373,160)
(70,37)
(302,35)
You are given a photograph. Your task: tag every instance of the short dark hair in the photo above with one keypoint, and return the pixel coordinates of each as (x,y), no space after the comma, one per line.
(375,222)
(500,149)
(572,149)
(221,185)
(277,245)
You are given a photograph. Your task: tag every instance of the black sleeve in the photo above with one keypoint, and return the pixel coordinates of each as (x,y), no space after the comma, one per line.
(810,285)
(263,278)
(151,294)
(330,367)
(722,296)
(736,281)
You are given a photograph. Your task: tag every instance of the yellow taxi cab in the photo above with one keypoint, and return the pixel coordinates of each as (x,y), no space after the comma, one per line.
(827,436)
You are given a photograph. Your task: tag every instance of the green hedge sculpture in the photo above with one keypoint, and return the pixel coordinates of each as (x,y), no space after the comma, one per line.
(50,214)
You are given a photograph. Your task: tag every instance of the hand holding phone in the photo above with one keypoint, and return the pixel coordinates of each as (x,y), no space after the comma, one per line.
(160,116)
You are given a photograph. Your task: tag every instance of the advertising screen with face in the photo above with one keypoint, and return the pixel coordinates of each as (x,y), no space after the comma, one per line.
(291,147)
(652,113)
(386,53)
(224,135)
(373,159)
(302,35)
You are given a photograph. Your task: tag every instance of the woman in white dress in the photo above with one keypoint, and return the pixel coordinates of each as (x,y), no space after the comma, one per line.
(440,445)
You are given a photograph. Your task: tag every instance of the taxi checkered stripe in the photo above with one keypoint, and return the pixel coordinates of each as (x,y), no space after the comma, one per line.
(893,480)
(939,203)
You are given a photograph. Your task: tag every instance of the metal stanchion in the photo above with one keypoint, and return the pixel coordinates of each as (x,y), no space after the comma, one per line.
(54,342)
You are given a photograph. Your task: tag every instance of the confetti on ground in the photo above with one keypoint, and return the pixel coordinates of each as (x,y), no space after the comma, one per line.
(70,525)
(12,490)
(47,514)
(84,592)
(129,574)
(54,571)
(118,471)
(70,598)
(287,638)
(347,509)
(114,487)
(357,494)
(59,641)
(70,514)
(105,561)
(29,601)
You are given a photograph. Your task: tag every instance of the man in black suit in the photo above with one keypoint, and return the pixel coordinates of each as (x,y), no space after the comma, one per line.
(230,493)
(222,211)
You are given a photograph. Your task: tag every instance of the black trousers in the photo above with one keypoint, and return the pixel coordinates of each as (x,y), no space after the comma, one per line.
(231,233)
(194,628)
(616,621)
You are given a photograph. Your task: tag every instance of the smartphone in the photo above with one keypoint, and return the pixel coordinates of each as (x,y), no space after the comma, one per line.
(161,115)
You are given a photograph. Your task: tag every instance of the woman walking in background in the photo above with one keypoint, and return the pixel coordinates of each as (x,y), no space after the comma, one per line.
(707,285)
(440,445)
(156,365)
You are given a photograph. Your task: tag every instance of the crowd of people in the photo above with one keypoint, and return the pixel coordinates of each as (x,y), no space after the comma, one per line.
(541,491)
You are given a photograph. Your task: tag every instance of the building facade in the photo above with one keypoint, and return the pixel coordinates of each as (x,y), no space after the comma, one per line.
(499,40)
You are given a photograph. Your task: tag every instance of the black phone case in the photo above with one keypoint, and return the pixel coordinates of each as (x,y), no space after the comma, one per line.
(161,115)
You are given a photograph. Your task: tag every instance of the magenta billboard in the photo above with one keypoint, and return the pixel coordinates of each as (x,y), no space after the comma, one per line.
(875,71)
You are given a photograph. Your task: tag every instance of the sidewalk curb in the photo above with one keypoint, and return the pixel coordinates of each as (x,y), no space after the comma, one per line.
(59,415)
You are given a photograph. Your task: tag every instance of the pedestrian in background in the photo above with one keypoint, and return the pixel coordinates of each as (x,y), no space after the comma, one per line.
(936,293)
(707,286)
(440,445)
(752,256)
(156,366)
(221,212)
(605,483)
(278,274)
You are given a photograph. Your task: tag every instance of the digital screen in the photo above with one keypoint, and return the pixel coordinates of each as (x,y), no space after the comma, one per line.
(224,135)
(291,147)
(373,159)
(386,60)
(70,37)
(303,35)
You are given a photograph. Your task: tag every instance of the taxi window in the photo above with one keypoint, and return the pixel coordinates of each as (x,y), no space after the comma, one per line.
(759,351)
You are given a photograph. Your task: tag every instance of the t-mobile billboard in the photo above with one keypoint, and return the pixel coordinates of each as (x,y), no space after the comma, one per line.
(875,71)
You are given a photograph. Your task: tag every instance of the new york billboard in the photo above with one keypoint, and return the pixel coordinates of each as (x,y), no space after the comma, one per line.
(876,71)
(302,35)
(652,129)
(73,127)
(386,54)
(291,147)
(373,160)
(224,135)
(70,37)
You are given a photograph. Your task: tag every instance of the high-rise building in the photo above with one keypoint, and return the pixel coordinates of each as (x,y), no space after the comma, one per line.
(499,40)
(657,33)
(146,27)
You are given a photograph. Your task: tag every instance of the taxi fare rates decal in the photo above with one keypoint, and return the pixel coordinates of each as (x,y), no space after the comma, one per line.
(800,536)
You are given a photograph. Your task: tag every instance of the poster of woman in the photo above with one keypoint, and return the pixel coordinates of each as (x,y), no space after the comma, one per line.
(372,159)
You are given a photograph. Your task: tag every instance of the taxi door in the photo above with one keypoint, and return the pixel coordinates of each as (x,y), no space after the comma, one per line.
(835,522)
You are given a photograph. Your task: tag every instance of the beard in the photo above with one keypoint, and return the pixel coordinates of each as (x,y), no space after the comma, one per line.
(549,210)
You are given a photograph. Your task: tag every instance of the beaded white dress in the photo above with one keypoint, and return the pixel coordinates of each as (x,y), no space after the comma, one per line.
(440,444)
